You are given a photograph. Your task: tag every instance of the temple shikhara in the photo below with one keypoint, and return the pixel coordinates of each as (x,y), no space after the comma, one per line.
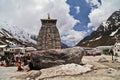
(48,37)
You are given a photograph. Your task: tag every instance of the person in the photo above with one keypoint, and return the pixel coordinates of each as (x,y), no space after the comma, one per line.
(0,58)
(19,67)
(3,63)
(94,53)
(7,60)
(31,65)
(111,52)
(18,64)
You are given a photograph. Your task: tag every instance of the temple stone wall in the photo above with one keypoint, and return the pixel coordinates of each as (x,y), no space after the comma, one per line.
(48,37)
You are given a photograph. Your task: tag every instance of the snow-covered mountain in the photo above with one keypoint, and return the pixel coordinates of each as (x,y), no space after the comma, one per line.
(3,33)
(106,34)
(17,33)
(10,34)
(7,39)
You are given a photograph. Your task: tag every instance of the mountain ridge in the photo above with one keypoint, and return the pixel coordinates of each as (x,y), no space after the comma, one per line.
(16,32)
(106,34)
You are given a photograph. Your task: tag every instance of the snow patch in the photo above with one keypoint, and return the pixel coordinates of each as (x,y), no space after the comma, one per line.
(2,46)
(4,33)
(118,23)
(106,24)
(95,39)
(98,38)
(83,42)
(91,40)
(113,33)
(9,41)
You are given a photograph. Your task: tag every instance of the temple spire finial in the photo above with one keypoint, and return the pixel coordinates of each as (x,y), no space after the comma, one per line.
(48,16)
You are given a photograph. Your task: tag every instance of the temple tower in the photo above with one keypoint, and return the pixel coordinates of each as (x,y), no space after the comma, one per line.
(48,37)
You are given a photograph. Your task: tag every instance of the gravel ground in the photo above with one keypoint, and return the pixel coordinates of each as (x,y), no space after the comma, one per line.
(101,71)
(7,72)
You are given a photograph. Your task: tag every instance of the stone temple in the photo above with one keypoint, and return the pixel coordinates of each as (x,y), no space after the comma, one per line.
(48,37)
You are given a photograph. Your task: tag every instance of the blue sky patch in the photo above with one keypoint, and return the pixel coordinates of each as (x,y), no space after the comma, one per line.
(82,16)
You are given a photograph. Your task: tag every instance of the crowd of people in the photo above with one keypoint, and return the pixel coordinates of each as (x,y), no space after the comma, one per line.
(22,62)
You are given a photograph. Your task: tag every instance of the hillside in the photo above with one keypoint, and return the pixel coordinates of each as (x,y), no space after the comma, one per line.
(7,38)
(17,32)
(106,34)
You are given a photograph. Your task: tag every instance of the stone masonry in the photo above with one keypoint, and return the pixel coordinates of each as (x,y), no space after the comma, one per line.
(48,37)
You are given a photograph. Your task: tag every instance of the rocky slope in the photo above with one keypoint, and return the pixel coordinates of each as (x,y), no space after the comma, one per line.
(106,34)
(7,38)
(17,32)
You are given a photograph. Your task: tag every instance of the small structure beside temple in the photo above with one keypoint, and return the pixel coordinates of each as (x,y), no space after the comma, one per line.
(116,49)
(48,37)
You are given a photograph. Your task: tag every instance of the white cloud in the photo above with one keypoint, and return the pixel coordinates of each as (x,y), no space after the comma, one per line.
(26,14)
(73,38)
(93,2)
(77,9)
(97,16)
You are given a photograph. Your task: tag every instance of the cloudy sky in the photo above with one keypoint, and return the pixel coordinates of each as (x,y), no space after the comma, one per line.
(76,18)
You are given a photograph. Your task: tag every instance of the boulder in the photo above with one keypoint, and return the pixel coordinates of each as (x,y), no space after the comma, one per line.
(64,70)
(49,58)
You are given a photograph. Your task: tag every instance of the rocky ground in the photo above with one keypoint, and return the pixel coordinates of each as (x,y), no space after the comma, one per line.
(95,68)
